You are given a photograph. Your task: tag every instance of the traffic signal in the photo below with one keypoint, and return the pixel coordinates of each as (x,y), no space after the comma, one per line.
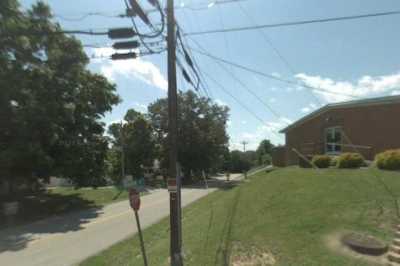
(125,56)
(121,33)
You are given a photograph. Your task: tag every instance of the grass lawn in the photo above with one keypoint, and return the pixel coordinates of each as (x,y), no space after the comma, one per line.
(287,213)
(62,200)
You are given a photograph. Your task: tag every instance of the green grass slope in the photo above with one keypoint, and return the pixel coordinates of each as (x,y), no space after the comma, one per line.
(286,213)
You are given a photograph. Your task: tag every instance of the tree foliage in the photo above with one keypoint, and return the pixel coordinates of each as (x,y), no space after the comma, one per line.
(50,104)
(136,137)
(239,161)
(264,152)
(201,131)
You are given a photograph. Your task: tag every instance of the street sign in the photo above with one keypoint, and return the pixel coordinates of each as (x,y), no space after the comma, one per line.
(172,186)
(134,199)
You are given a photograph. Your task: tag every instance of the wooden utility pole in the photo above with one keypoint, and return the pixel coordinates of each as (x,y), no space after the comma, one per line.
(122,150)
(174,195)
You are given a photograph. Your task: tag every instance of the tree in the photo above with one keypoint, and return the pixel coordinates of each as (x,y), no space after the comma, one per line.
(264,152)
(239,162)
(202,137)
(136,138)
(50,104)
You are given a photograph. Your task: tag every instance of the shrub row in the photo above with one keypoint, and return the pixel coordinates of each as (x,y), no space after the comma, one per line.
(345,160)
(388,160)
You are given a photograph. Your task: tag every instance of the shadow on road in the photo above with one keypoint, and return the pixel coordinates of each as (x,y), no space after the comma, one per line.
(35,207)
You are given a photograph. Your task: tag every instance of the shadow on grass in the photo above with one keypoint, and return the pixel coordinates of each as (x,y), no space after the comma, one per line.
(38,206)
(226,236)
(215,183)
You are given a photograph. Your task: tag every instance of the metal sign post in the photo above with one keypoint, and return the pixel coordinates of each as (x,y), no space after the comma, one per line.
(134,199)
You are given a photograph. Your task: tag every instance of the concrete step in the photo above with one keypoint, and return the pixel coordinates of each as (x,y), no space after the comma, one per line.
(396,241)
(395,249)
(392,264)
(393,257)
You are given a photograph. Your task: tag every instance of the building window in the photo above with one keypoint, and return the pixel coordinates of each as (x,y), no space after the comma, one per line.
(333,140)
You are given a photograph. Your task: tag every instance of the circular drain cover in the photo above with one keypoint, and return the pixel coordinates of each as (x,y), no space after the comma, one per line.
(364,244)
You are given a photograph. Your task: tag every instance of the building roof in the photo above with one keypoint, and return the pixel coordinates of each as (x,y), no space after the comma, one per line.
(347,104)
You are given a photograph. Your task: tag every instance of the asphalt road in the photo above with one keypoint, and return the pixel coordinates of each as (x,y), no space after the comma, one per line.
(69,239)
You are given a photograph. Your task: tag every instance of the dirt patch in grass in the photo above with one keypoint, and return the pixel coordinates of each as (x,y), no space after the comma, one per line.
(250,256)
(334,243)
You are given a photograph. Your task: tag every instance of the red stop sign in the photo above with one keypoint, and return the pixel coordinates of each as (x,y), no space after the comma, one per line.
(134,199)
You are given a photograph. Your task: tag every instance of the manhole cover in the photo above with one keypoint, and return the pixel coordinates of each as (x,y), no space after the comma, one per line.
(364,244)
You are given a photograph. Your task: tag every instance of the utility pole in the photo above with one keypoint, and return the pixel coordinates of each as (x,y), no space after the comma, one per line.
(121,136)
(244,143)
(174,195)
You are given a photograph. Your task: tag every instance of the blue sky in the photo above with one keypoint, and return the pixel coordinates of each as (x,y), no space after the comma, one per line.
(357,57)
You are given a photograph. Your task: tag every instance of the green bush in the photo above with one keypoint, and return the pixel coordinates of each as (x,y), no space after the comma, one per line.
(388,160)
(334,160)
(350,160)
(305,163)
(321,161)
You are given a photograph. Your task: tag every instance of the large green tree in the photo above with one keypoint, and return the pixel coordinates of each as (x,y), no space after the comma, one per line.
(264,152)
(202,137)
(50,104)
(137,139)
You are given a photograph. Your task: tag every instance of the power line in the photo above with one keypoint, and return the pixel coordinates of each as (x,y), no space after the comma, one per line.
(86,15)
(153,35)
(191,61)
(296,23)
(275,113)
(274,48)
(240,103)
(234,97)
(271,76)
(205,6)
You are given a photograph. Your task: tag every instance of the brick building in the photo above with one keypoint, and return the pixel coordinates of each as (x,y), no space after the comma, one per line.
(367,126)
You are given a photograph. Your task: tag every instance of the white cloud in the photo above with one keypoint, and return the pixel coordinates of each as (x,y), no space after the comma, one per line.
(276,74)
(272,100)
(140,106)
(220,102)
(270,130)
(397,92)
(116,121)
(310,107)
(344,90)
(244,122)
(141,69)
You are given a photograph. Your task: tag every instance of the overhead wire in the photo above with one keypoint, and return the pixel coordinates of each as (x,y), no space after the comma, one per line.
(265,104)
(270,76)
(241,104)
(268,40)
(191,61)
(86,15)
(295,23)
(148,35)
